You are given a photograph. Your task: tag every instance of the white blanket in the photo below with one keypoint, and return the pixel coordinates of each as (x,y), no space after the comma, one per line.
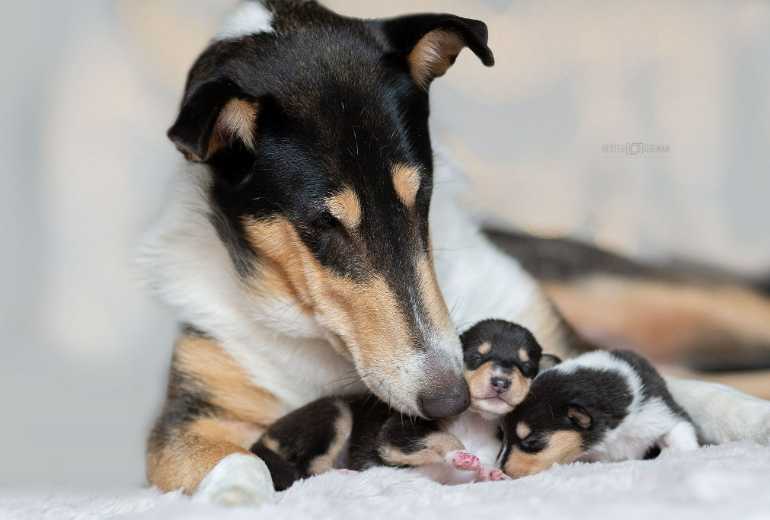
(730,482)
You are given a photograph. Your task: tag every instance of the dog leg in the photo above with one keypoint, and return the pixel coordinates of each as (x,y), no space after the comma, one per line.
(211,468)
(213,414)
(419,443)
(722,414)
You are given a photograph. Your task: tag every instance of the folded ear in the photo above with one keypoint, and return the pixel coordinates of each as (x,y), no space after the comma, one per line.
(431,42)
(579,416)
(548,361)
(214,116)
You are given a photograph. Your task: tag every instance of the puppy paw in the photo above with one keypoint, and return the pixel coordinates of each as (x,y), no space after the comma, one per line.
(464,461)
(238,480)
(486,474)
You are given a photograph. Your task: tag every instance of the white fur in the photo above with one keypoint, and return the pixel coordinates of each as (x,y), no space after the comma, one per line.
(237,480)
(478,435)
(188,266)
(250,17)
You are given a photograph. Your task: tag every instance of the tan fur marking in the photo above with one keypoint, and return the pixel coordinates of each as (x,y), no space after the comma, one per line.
(227,384)
(563,447)
(183,461)
(523,430)
(236,120)
(432,298)
(239,433)
(433,55)
(365,315)
(484,348)
(343,426)
(345,207)
(437,446)
(478,380)
(271,444)
(479,383)
(406,182)
(523,354)
(518,390)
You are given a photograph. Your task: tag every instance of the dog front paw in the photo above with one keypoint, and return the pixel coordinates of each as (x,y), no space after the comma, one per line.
(238,480)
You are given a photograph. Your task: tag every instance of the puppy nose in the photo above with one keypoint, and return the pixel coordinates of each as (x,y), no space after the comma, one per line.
(445,400)
(500,384)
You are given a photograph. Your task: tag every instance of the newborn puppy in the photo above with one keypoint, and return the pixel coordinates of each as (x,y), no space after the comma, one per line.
(601,406)
(358,432)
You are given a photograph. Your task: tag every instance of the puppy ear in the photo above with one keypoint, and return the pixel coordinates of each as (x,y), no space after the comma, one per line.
(548,361)
(431,42)
(579,416)
(214,116)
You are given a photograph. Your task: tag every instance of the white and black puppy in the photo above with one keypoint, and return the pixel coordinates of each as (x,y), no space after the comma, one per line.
(360,431)
(601,406)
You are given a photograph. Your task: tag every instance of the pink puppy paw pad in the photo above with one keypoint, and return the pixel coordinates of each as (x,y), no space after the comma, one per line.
(465,461)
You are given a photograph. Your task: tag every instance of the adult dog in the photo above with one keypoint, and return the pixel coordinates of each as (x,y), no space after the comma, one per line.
(297,245)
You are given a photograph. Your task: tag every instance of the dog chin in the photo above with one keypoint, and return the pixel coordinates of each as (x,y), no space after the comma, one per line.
(490,408)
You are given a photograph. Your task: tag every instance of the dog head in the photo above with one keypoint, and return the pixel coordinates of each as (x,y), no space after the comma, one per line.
(566,412)
(314,128)
(501,358)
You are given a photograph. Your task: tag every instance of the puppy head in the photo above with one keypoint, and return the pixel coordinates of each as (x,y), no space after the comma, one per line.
(501,358)
(313,130)
(564,414)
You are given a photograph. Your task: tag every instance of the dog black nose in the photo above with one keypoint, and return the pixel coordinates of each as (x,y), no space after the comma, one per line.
(500,384)
(446,400)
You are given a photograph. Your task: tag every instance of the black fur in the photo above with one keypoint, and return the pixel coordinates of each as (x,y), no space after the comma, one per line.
(501,336)
(653,385)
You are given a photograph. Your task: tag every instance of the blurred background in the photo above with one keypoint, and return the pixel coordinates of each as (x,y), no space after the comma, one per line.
(640,126)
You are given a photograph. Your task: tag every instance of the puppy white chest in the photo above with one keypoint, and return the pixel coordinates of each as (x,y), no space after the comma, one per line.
(478,435)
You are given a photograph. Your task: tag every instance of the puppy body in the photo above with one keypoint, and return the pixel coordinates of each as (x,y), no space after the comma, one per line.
(601,406)
(360,431)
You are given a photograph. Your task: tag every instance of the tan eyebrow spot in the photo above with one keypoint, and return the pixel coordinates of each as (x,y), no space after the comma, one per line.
(484,347)
(523,354)
(345,207)
(523,430)
(406,181)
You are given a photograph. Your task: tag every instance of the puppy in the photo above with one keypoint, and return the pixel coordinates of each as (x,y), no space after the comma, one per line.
(360,431)
(601,406)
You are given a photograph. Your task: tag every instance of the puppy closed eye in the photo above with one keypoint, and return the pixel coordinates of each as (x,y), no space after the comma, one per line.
(532,444)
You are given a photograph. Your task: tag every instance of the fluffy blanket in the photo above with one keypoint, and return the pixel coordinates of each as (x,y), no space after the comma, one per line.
(730,481)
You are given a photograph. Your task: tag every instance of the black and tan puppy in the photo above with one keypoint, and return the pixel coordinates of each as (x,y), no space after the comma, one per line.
(358,432)
(598,407)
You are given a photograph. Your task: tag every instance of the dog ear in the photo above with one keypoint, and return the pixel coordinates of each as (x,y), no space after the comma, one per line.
(548,361)
(579,416)
(214,116)
(431,42)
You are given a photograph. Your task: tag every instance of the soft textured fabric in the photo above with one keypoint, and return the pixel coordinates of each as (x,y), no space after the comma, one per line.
(729,482)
